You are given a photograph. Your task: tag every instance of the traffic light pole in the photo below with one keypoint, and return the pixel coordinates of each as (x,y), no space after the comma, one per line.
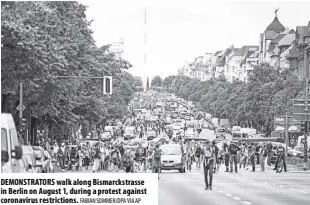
(306,130)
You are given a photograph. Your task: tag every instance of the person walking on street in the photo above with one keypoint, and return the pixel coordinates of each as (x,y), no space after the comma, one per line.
(156,160)
(269,151)
(216,151)
(226,156)
(263,155)
(97,158)
(233,151)
(198,152)
(252,150)
(208,164)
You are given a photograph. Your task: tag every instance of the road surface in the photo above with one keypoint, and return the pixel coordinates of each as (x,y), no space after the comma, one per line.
(244,187)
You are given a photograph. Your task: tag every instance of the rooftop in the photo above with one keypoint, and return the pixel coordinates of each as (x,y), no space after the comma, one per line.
(275,26)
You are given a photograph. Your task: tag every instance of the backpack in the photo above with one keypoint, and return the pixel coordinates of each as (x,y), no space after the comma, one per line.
(264,153)
(157,154)
(198,151)
(126,157)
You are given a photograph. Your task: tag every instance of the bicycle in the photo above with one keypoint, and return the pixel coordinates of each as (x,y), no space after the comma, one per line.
(280,164)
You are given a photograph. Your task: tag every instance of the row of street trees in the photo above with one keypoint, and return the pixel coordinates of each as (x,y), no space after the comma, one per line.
(269,92)
(42,40)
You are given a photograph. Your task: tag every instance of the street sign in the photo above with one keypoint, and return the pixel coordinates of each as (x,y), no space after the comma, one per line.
(23,107)
(299,110)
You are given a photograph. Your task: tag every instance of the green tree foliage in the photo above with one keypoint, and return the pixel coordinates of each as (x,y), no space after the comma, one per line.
(42,40)
(138,83)
(268,92)
(156,81)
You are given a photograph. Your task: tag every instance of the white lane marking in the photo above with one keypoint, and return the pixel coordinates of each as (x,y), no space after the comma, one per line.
(281,186)
(237,198)
(265,182)
(229,195)
(246,202)
(303,192)
(215,188)
(221,191)
(292,189)
(274,184)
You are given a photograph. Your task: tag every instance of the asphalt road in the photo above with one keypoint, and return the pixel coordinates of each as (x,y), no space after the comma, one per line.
(244,187)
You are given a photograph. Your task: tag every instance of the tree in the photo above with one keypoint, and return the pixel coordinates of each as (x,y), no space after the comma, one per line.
(138,82)
(42,40)
(156,81)
(268,93)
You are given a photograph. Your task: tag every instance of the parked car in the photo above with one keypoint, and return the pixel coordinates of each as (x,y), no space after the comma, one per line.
(129,133)
(41,160)
(295,153)
(30,156)
(11,151)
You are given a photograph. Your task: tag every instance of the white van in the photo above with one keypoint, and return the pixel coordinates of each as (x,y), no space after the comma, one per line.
(11,151)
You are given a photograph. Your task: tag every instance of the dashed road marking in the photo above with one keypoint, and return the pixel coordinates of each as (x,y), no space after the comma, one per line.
(281,186)
(221,191)
(229,195)
(274,184)
(237,198)
(292,189)
(215,188)
(303,192)
(265,182)
(246,203)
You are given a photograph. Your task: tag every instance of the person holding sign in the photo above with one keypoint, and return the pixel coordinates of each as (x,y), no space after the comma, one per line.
(208,163)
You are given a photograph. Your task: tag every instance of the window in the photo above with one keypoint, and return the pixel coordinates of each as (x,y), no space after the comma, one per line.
(14,139)
(4,141)
(171,150)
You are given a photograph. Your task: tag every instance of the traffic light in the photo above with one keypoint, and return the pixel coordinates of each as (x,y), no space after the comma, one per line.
(23,125)
(107,85)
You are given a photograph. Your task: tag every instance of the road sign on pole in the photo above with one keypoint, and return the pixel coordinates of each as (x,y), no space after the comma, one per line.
(300,110)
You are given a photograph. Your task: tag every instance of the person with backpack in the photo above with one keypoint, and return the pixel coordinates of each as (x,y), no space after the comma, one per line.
(252,149)
(198,152)
(208,164)
(127,160)
(156,160)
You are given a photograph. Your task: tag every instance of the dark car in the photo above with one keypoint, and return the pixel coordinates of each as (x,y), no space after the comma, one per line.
(150,135)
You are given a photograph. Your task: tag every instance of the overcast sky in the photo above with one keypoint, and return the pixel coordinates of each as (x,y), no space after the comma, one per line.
(178,31)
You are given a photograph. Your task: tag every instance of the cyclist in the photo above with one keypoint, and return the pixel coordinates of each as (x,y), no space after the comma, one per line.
(115,155)
(280,153)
